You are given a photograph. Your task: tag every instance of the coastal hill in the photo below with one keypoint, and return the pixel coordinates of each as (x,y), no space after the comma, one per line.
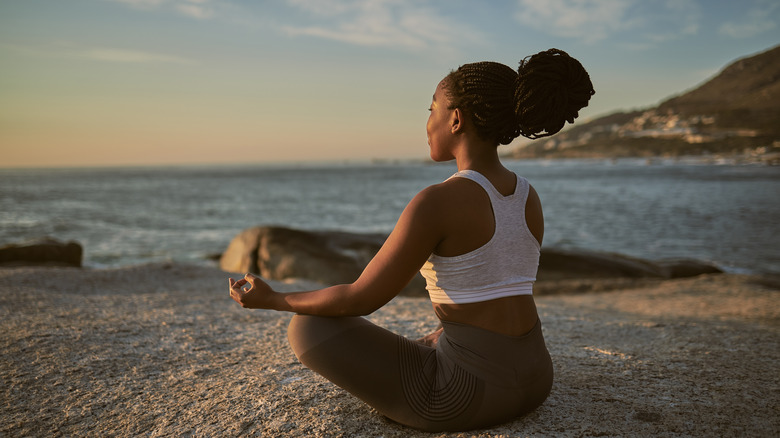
(735,113)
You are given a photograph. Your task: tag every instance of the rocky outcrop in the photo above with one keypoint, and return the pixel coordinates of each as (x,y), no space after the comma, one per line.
(41,252)
(559,264)
(332,257)
(328,257)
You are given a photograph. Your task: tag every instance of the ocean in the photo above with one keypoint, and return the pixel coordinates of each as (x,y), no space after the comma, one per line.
(727,213)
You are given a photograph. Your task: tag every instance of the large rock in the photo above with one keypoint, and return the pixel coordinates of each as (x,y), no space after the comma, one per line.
(41,252)
(559,264)
(331,257)
(328,257)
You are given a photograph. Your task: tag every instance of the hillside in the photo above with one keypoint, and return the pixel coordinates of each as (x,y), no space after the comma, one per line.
(735,113)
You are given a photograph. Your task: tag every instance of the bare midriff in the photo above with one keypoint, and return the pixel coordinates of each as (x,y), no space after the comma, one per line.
(511,316)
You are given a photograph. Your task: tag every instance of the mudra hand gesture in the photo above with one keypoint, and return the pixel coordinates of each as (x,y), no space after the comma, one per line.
(251,292)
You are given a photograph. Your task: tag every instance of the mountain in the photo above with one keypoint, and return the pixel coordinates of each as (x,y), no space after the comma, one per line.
(735,113)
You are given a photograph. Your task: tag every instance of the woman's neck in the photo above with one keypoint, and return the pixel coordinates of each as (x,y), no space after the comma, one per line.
(481,158)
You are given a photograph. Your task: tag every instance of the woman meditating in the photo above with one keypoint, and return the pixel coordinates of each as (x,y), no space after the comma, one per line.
(475,238)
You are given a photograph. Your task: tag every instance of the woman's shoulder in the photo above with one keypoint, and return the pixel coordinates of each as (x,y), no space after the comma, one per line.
(452,191)
(451,199)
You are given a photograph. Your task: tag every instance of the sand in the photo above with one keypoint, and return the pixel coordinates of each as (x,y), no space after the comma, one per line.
(161,350)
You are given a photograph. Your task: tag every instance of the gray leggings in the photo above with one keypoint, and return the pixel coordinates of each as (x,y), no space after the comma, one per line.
(473,379)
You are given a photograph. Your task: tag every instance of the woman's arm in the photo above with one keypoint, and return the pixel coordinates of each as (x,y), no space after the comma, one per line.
(418,231)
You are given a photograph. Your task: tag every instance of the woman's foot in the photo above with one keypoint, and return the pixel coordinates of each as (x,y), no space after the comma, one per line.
(432,339)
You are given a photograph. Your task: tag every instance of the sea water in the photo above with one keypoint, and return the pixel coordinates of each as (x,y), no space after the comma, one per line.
(727,214)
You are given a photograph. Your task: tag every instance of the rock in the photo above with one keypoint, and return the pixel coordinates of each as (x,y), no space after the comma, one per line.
(556,264)
(241,254)
(332,257)
(686,268)
(559,264)
(327,257)
(41,252)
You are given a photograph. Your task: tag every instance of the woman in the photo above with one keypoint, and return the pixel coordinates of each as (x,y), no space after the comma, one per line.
(476,239)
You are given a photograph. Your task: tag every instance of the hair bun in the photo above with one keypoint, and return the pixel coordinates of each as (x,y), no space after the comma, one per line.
(551,89)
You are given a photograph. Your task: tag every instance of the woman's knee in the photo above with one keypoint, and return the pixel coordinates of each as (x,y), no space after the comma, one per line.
(306,332)
(298,334)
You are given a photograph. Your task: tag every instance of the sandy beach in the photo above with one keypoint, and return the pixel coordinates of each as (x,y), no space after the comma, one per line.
(161,350)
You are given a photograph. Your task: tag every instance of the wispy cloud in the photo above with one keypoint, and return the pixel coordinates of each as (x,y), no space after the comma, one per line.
(670,20)
(200,9)
(64,49)
(142,4)
(403,24)
(757,20)
(195,11)
(129,56)
(591,21)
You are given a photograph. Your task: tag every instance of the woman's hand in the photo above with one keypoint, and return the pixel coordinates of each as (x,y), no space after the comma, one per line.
(251,292)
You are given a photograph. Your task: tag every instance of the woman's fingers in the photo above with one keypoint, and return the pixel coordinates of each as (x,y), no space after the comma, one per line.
(236,286)
(237,290)
(237,283)
(249,278)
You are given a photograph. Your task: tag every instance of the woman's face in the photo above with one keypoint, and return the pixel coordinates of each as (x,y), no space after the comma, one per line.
(439,127)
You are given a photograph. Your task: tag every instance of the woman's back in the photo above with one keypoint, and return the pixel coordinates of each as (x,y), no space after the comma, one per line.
(469,221)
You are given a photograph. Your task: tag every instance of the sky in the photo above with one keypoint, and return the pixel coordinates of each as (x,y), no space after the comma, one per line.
(167,82)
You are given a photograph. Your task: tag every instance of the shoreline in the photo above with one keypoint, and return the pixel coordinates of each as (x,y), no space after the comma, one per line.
(752,158)
(160,349)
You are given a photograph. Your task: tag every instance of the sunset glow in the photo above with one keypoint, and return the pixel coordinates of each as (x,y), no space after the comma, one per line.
(123,82)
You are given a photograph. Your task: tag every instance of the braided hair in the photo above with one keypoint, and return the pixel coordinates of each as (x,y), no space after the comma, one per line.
(548,89)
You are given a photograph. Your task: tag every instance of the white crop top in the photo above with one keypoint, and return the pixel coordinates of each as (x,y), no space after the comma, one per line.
(505,266)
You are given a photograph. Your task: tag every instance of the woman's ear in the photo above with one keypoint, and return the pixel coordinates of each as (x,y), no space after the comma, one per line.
(456,121)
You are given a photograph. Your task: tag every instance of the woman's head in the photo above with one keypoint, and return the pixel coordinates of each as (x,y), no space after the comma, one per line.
(548,89)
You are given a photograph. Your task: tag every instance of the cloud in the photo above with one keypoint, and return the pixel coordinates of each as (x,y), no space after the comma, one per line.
(638,23)
(200,9)
(757,20)
(142,4)
(65,49)
(130,56)
(672,20)
(200,12)
(589,20)
(324,7)
(389,23)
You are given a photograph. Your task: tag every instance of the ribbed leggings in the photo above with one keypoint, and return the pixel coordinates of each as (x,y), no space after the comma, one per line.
(473,379)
